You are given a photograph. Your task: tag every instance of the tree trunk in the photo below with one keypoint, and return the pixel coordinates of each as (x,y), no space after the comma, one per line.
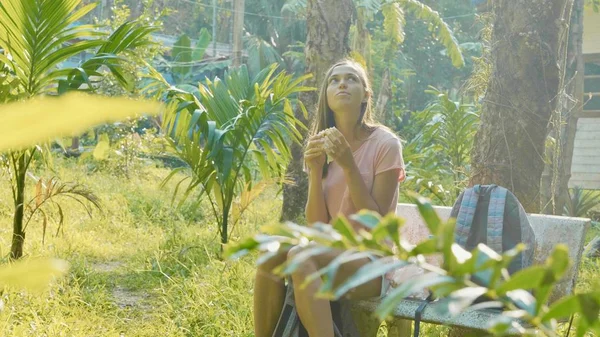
(328,24)
(18,237)
(383,112)
(555,179)
(528,45)
(238,32)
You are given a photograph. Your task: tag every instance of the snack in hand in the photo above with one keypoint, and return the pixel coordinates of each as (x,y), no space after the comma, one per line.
(327,143)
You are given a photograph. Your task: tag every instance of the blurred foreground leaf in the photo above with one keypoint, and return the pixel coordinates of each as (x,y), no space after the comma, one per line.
(48,117)
(33,275)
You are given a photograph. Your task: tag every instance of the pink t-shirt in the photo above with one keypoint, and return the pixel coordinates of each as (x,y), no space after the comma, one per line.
(380,152)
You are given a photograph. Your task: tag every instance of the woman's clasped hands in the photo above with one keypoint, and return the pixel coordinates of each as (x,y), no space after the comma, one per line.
(328,144)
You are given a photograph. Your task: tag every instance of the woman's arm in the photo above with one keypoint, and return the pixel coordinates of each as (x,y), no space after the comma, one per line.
(316,210)
(384,188)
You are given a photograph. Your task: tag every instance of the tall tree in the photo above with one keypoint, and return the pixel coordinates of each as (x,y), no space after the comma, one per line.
(323,49)
(557,172)
(528,55)
(328,23)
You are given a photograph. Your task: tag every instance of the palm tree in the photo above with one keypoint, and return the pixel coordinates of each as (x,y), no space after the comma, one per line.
(37,36)
(237,133)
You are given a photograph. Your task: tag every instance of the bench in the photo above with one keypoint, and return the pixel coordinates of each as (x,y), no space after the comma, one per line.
(549,231)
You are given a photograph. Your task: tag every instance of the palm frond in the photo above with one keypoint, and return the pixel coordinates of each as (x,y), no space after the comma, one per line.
(261,54)
(47,193)
(238,132)
(581,202)
(201,45)
(38,35)
(394,22)
(438,26)
(115,53)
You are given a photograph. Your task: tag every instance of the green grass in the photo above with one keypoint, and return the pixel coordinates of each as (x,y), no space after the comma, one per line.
(142,267)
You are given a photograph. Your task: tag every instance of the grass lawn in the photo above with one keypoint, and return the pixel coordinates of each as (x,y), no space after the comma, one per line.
(142,267)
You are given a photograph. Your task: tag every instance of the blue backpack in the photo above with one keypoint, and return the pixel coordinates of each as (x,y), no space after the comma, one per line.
(492,215)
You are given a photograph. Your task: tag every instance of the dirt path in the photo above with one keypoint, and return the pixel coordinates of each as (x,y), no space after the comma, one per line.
(123,297)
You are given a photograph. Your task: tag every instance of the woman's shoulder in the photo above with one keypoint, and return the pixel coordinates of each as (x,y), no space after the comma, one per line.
(383,134)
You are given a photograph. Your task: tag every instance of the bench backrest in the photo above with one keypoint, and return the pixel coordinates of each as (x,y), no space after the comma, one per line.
(549,231)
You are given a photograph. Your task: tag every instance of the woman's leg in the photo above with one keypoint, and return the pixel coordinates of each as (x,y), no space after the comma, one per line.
(269,295)
(315,313)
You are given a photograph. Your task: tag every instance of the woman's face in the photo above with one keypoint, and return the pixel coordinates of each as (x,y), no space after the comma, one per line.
(345,90)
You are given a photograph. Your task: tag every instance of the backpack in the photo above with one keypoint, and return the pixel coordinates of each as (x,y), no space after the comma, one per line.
(289,324)
(492,215)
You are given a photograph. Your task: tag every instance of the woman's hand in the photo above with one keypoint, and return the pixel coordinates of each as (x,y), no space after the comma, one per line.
(314,155)
(337,147)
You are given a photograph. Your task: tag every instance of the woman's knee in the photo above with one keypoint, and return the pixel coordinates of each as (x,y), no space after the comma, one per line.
(305,267)
(273,262)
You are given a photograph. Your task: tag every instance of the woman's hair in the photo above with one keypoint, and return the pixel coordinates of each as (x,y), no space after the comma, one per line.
(324,117)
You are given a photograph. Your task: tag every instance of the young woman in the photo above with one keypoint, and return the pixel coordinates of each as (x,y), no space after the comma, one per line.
(352,164)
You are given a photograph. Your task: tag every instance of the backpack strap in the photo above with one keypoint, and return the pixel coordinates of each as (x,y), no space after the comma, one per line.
(495,218)
(419,314)
(465,215)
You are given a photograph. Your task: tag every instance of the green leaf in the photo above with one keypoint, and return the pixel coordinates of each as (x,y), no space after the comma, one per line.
(430,217)
(182,54)
(393,22)
(33,275)
(459,300)
(343,226)
(330,271)
(102,148)
(388,229)
(201,45)
(563,308)
(528,279)
(409,287)
(523,300)
(486,263)
(366,218)
(368,272)
(300,258)
(559,262)
(45,118)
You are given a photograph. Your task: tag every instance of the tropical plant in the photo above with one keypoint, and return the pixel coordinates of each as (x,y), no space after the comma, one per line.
(581,202)
(37,36)
(441,147)
(261,54)
(462,278)
(187,58)
(236,133)
(56,117)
